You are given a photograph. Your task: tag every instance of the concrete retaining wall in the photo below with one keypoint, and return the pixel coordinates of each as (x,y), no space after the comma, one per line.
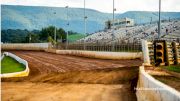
(16,74)
(90,54)
(98,54)
(145,52)
(150,89)
(26,46)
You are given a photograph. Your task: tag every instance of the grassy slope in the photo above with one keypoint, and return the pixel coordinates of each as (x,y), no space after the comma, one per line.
(9,65)
(36,17)
(173,68)
(75,37)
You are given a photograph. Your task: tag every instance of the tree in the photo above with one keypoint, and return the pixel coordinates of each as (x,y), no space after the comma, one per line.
(49,31)
(32,38)
(13,35)
(61,34)
(51,40)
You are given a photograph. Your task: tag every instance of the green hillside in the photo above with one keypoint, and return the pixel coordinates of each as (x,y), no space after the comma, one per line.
(36,17)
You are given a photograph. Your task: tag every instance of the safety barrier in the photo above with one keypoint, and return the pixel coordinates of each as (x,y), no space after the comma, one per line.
(25,46)
(16,74)
(84,53)
(150,89)
(101,46)
(98,54)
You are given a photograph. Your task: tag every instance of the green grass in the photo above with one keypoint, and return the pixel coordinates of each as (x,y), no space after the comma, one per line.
(10,65)
(173,68)
(75,37)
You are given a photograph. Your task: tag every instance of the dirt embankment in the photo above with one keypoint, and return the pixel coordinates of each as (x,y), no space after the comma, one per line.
(67,78)
(27,91)
(105,76)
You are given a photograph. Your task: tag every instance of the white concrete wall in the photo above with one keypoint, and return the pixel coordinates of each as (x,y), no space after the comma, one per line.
(25,46)
(99,55)
(2,57)
(90,54)
(145,52)
(16,74)
(155,90)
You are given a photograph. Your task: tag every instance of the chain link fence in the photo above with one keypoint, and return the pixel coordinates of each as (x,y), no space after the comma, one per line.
(100,46)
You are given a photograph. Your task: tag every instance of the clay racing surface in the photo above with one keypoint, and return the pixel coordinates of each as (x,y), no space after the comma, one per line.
(68,78)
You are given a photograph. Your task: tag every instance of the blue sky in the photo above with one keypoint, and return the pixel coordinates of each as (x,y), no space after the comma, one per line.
(104,5)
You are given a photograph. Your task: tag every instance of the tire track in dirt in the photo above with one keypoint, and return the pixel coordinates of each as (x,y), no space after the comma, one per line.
(57,63)
(56,77)
(43,63)
(49,65)
(77,63)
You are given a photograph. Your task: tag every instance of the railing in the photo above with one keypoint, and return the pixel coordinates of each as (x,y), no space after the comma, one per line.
(115,47)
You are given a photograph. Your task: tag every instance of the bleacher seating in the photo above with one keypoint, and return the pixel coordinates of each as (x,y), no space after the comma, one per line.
(135,34)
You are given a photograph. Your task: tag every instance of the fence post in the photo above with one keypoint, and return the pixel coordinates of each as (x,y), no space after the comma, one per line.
(127,46)
(112,46)
(84,44)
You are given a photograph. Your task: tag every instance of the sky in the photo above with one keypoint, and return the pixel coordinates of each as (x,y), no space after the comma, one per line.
(104,5)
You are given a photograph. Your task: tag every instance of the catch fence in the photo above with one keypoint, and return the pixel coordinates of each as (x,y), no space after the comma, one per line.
(113,47)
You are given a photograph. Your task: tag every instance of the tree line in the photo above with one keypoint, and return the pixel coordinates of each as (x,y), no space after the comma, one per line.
(35,36)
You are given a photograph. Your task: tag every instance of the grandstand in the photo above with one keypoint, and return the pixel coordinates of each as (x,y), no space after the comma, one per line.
(119,23)
(169,30)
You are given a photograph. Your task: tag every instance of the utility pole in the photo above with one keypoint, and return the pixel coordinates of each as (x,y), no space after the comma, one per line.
(159,24)
(54,33)
(113,11)
(54,30)
(85,18)
(67,41)
(29,37)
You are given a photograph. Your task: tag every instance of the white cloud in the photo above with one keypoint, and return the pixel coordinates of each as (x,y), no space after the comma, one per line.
(104,5)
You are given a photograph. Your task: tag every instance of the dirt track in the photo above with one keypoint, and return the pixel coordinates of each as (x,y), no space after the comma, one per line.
(70,78)
(46,62)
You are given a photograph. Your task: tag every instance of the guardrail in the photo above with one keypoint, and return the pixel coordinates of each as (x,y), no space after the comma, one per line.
(16,74)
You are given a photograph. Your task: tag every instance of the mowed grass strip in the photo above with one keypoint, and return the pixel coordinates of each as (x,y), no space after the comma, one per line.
(10,65)
(173,68)
(75,37)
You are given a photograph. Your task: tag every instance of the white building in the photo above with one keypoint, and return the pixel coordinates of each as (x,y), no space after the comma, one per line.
(119,23)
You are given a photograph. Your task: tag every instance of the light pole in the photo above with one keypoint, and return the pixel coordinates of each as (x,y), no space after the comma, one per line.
(55,33)
(113,11)
(29,37)
(113,36)
(85,18)
(67,35)
(159,24)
